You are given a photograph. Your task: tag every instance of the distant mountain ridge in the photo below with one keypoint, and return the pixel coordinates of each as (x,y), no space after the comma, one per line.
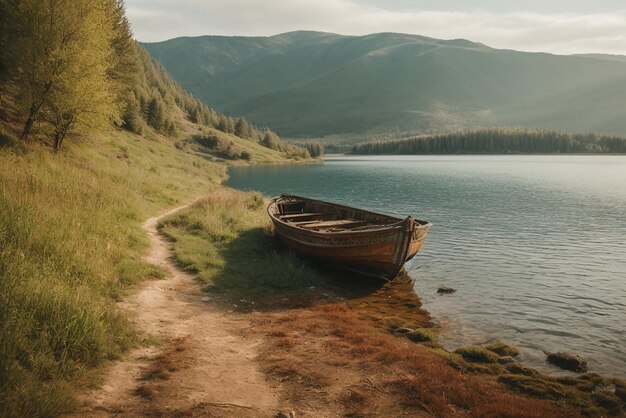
(305,84)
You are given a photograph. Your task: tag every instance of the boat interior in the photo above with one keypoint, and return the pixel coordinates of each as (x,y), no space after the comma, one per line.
(321,216)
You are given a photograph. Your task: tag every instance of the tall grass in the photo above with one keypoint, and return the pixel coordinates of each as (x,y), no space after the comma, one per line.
(227,241)
(70,243)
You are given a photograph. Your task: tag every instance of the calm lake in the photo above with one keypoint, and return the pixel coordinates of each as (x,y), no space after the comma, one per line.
(534,245)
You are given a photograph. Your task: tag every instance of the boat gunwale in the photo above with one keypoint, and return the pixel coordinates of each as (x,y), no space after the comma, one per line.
(400,221)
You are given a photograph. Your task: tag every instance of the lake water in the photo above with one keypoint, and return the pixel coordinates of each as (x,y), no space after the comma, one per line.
(534,245)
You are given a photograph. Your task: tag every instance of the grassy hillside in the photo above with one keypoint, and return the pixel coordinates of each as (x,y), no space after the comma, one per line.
(70,240)
(315,84)
(82,165)
(70,246)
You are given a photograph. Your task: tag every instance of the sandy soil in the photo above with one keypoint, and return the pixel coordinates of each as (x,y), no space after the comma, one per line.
(202,365)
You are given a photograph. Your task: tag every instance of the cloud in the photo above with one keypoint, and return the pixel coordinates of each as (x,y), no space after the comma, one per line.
(563,33)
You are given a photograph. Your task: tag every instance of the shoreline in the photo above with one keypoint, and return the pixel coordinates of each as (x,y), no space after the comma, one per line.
(393,315)
(471,323)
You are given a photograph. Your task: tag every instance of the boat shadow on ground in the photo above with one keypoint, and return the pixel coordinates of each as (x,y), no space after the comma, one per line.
(260,274)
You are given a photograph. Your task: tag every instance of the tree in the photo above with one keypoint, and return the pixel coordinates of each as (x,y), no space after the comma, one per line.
(242,128)
(270,140)
(61,51)
(123,60)
(83,92)
(229,125)
(5,28)
(315,149)
(155,114)
(131,119)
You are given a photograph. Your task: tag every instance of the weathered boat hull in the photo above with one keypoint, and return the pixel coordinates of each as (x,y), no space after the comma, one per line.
(379,251)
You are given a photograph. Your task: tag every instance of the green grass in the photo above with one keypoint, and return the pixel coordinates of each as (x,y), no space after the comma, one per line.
(70,246)
(226,240)
(422,335)
(594,395)
(477,354)
(503,349)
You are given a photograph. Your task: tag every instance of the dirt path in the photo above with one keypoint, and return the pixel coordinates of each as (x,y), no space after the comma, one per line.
(202,365)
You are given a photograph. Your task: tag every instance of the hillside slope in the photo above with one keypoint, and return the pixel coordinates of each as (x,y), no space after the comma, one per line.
(311,83)
(70,219)
(71,244)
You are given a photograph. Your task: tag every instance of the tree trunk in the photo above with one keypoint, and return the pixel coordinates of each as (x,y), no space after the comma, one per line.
(28,125)
(60,132)
(58,139)
(34,110)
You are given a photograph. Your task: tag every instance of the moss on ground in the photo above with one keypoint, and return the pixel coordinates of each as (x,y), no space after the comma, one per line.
(593,394)
(503,349)
(421,335)
(477,354)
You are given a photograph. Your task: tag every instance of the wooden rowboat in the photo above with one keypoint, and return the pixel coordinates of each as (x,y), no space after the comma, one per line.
(366,242)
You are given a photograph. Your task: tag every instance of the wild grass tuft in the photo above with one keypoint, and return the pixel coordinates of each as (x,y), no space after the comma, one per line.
(422,335)
(503,349)
(474,353)
(132,271)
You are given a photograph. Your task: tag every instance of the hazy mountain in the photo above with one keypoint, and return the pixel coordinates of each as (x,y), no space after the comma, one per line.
(312,83)
(608,57)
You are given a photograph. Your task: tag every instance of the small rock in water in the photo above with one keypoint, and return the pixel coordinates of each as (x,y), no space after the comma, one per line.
(446,289)
(568,361)
(205,299)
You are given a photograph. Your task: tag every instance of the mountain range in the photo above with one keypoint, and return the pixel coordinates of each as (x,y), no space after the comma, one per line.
(315,84)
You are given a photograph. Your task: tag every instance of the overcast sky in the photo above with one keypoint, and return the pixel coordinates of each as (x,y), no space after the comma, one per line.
(557,26)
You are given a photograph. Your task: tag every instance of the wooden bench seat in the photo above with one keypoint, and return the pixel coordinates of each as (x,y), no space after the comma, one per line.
(341,223)
(292,216)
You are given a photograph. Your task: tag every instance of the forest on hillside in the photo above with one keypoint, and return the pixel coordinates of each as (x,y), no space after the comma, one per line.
(72,64)
(497,141)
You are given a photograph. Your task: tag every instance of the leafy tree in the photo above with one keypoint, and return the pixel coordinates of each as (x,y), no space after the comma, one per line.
(270,140)
(61,50)
(315,149)
(5,28)
(242,128)
(226,124)
(123,61)
(83,94)
(5,7)
(155,115)
(131,119)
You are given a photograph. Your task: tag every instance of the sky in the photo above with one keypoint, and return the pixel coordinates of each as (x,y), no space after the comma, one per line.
(555,26)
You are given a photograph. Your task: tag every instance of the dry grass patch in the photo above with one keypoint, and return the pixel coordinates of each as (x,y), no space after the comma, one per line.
(402,377)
